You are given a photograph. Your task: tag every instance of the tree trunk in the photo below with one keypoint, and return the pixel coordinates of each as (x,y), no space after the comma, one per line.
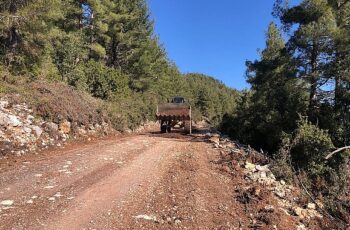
(313,82)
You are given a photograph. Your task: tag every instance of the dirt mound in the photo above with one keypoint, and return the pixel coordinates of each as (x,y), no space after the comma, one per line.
(42,115)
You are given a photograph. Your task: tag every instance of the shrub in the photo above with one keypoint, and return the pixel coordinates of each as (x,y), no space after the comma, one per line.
(309,147)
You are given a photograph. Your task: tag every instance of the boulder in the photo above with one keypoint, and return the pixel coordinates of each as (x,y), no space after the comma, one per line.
(65,127)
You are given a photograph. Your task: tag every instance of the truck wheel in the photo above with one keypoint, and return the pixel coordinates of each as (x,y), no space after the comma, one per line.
(163,129)
(188,127)
(169,129)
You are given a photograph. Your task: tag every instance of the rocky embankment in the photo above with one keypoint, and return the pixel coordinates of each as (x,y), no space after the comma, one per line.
(261,186)
(22,132)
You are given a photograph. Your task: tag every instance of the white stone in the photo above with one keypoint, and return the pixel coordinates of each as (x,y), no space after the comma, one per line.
(13,121)
(249,166)
(4,104)
(58,195)
(146,217)
(262,168)
(311,206)
(49,187)
(37,130)
(27,130)
(7,202)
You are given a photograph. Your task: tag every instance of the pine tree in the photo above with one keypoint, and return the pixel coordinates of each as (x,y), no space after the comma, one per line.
(277,96)
(312,44)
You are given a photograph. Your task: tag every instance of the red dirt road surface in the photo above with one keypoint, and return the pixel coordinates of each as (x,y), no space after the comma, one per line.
(146,181)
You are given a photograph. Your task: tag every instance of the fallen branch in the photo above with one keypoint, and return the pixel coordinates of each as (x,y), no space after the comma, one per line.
(336,151)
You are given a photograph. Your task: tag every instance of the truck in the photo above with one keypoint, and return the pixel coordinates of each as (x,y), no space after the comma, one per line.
(176,112)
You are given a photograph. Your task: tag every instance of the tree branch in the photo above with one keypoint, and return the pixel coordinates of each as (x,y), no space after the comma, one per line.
(336,151)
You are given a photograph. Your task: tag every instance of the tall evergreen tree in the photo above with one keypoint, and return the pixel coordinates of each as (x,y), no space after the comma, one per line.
(312,44)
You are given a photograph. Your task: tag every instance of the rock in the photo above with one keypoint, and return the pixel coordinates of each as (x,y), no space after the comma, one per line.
(9,120)
(30,118)
(3,119)
(27,130)
(263,175)
(249,166)
(81,131)
(7,202)
(58,195)
(4,104)
(282,182)
(280,194)
(301,227)
(215,140)
(49,187)
(300,212)
(13,121)
(51,127)
(262,168)
(30,201)
(177,222)
(311,206)
(146,217)
(269,208)
(37,130)
(65,127)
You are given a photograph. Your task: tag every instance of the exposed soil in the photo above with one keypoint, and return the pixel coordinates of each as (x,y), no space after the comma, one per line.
(145,181)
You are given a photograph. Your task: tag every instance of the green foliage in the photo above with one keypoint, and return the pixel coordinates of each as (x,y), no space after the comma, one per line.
(103,82)
(310,146)
(276,98)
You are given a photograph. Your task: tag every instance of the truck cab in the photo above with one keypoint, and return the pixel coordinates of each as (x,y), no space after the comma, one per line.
(178,100)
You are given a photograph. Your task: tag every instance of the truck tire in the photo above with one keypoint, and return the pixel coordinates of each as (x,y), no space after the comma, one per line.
(168,129)
(163,129)
(188,127)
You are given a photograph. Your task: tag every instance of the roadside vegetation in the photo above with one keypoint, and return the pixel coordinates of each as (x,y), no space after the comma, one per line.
(298,108)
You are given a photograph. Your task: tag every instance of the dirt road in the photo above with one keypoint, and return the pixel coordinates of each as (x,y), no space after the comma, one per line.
(146,181)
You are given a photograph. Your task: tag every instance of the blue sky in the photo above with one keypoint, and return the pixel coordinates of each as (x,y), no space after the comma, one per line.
(213,37)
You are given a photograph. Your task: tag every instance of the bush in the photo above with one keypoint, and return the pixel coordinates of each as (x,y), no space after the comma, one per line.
(309,147)
(281,166)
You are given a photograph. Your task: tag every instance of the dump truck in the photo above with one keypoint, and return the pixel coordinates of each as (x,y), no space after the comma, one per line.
(177,112)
